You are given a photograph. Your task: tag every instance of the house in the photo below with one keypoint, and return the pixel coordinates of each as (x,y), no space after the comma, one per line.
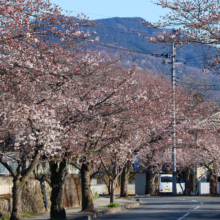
(202,173)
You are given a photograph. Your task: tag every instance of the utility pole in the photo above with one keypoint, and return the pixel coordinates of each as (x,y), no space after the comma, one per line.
(173,84)
(173,77)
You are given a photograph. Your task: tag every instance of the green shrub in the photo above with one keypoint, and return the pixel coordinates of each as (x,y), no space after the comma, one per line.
(95,194)
(114,204)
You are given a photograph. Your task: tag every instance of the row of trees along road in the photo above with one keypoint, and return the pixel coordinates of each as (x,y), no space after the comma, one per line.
(196,22)
(61,103)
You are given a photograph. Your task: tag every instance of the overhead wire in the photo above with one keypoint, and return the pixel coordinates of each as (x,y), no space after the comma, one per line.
(104,16)
(122,48)
(122,30)
(126,31)
(124,18)
(194,59)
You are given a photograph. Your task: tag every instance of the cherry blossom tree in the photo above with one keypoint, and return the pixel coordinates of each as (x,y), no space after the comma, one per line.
(97,130)
(80,107)
(117,156)
(84,109)
(40,48)
(120,153)
(209,157)
(125,179)
(149,112)
(27,133)
(155,152)
(39,54)
(200,152)
(193,108)
(206,133)
(155,118)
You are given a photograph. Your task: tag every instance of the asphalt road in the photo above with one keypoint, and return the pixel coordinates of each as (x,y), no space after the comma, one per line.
(172,208)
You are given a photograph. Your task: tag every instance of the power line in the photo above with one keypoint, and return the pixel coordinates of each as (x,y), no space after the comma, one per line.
(124,18)
(104,16)
(126,31)
(130,50)
(123,30)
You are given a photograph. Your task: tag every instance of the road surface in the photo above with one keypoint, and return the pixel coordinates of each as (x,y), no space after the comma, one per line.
(172,208)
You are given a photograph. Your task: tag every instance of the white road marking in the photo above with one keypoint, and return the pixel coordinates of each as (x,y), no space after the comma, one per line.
(197,207)
(194,201)
(183,216)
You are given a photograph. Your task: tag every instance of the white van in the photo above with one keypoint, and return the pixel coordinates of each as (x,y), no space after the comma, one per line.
(164,183)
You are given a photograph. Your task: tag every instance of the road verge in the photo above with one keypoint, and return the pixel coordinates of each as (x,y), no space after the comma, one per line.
(107,211)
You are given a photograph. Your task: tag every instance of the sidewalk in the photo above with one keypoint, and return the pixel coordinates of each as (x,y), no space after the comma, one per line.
(75,214)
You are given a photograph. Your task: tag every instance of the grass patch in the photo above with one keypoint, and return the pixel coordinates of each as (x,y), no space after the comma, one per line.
(6,217)
(23,215)
(113,205)
(27,215)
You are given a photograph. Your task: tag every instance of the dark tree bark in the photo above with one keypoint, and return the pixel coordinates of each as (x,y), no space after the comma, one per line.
(186,180)
(58,176)
(213,182)
(16,191)
(113,178)
(124,179)
(19,179)
(113,183)
(87,202)
(112,195)
(150,187)
(109,187)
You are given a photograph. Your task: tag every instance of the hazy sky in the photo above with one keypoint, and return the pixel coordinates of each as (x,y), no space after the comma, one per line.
(98,9)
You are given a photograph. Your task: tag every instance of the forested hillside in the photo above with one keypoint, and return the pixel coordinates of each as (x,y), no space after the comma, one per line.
(126,35)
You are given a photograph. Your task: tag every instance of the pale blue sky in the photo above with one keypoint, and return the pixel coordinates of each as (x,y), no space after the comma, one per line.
(98,9)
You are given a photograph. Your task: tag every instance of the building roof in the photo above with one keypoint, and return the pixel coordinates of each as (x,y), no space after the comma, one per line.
(210,123)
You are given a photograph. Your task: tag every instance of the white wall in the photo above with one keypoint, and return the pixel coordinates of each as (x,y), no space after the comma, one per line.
(202,174)
(5,185)
(97,188)
(179,189)
(204,188)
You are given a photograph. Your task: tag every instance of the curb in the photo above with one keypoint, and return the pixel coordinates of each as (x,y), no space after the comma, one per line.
(108,211)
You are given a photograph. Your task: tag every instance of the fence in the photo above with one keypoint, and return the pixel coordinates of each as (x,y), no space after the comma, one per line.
(102,189)
(41,168)
(6,185)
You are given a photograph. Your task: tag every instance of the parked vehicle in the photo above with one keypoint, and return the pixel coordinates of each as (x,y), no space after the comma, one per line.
(163,183)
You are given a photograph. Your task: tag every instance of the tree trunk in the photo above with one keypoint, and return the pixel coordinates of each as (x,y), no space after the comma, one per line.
(87,203)
(186,180)
(213,183)
(150,187)
(124,179)
(58,176)
(109,187)
(216,177)
(16,190)
(112,196)
(19,178)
